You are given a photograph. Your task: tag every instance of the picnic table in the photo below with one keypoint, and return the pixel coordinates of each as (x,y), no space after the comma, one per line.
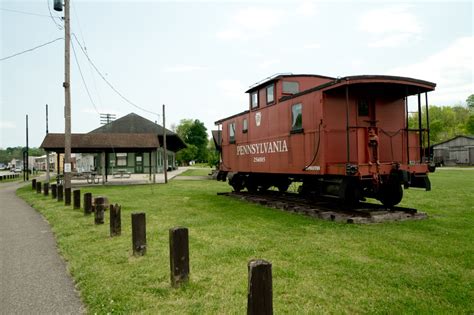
(92,177)
(121,173)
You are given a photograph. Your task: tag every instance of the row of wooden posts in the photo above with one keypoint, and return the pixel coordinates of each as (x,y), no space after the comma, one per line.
(9,176)
(259,295)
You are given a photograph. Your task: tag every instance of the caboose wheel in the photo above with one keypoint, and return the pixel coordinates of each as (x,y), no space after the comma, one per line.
(237,183)
(282,184)
(251,184)
(251,187)
(391,194)
(236,187)
(263,187)
(283,187)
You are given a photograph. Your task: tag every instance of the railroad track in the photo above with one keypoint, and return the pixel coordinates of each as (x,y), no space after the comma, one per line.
(328,209)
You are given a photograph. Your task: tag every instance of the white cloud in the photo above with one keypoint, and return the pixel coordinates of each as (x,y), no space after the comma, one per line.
(390,27)
(452,69)
(7,125)
(269,62)
(312,46)
(392,40)
(306,8)
(252,22)
(256,22)
(184,68)
(231,88)
(389,20)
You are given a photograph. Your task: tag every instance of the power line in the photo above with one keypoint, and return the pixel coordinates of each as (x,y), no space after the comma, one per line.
(108,83)
(78,23)
(74,10)
(60,27)
(31,49)
(83,80)
(24,12)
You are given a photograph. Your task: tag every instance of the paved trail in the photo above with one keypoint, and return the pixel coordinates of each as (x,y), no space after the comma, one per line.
(33,277)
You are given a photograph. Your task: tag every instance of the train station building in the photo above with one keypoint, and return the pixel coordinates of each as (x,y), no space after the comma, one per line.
(129,145)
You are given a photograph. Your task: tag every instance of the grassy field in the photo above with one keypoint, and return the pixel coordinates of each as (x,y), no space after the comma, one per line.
(318,266)
(197,172)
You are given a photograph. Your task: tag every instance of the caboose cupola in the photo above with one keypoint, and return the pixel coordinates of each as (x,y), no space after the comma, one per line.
(271,90)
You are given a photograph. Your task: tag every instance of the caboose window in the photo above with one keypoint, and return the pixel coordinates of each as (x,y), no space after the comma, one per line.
(297,117)
(363,108)
(254,99)
(232,132)
(245,126)
(291,87)
(270,93)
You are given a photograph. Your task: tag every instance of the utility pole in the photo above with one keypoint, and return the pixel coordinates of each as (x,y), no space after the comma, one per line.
(47,152)
(67,92)
(165,153)
(26,168)
(106,118)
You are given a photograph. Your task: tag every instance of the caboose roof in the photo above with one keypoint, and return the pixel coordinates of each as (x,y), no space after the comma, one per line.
(404,85)
(279,76)
(411,86)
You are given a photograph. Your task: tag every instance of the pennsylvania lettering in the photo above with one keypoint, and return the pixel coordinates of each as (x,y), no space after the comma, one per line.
(263,147)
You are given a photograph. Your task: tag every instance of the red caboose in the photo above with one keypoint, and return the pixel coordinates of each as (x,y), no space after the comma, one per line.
(345,137)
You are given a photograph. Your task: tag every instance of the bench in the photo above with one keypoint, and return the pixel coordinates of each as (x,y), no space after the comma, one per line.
(122,174)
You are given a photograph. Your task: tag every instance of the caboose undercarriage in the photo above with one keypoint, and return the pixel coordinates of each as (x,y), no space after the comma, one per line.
(349,189)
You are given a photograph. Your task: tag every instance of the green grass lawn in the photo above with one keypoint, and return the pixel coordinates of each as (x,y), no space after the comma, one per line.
(318,266)
(197,172)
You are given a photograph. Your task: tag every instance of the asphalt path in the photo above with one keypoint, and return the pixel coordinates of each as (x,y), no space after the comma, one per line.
(33,276)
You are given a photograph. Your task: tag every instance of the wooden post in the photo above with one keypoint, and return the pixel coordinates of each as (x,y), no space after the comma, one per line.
(99,205)
(33,184)
(46,189)
(139,233)
(259,296)
(60,193)
(77,199)
(67,196)
(38,187)
(87,203)
(179,255)
(54,191)
(115,220)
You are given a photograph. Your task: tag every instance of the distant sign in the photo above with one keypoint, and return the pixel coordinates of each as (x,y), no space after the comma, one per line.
(67,167)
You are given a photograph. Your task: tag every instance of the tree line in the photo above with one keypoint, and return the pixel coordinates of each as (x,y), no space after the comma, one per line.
(10,153)
(447,122)
(199,149)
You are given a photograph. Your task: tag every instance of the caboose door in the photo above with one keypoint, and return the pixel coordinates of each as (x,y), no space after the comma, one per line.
(366,112)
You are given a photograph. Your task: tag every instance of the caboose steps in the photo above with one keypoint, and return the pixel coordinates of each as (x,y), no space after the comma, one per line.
(331,210)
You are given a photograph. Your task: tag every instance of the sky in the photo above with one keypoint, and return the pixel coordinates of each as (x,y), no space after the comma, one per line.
(199,57)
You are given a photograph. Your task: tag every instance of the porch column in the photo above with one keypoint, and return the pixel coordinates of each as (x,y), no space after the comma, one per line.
(47,166)
(102,162)
(155,165)
(57,162)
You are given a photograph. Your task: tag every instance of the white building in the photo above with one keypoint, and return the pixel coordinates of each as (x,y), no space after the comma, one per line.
(456,151)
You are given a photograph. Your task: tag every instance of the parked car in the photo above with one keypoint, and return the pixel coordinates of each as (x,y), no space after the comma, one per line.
(16,170)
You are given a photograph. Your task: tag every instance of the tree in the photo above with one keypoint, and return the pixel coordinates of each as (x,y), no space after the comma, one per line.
(10,153)
(213,155)
(184,156)
(445,121)
(193,132)
(470,125)
(470,102)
